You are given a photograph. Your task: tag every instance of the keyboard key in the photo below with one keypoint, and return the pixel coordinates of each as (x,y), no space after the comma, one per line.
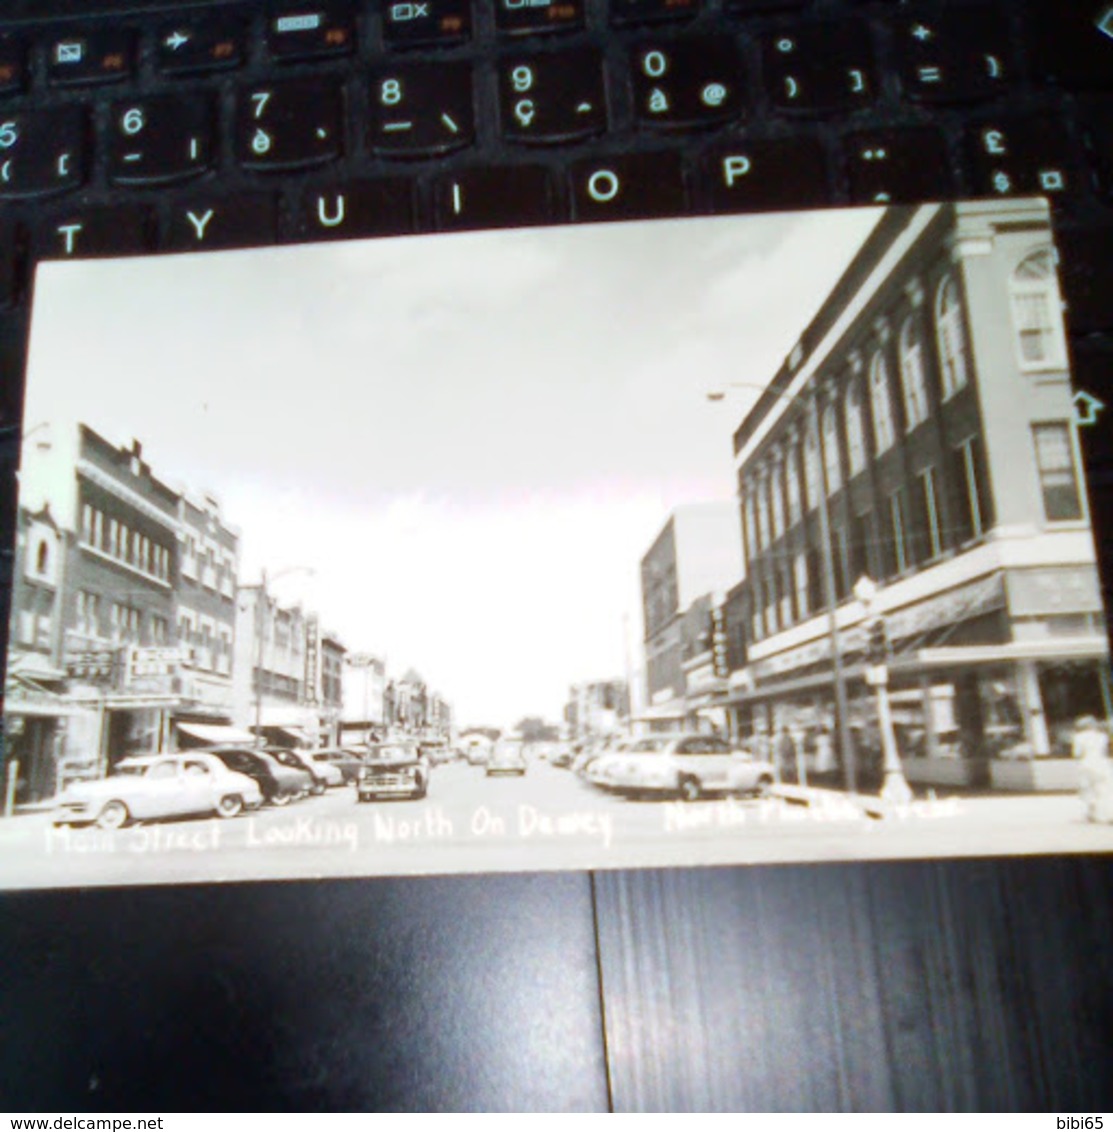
(159,140)
(103,56)
(628,186)
(1072,43)
(238,221)
(524,17)
(1021,157)
(958,55)
(557,97)
(195,46)
(1096,118)
(415,23)
(494,197)
(13,65)
(821,67)
(361,208)
(652,11)
(289,125)
(104,230)
(310,31)
(687,82)
(9,243)
(900,166)
(1086,270)
(758,7)
(41,151)
(421,109)
(754,176)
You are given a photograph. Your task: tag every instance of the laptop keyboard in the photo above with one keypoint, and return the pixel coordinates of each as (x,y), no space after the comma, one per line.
(235,125)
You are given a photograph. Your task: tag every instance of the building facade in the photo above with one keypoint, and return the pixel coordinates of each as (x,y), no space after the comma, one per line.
(922,434)
(596,708)
(695,559)
(205,611)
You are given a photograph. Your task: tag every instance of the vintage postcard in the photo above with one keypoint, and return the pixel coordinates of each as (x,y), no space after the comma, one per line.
(707,541)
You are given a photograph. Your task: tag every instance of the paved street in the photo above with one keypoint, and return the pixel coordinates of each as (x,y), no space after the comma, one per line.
(545,820)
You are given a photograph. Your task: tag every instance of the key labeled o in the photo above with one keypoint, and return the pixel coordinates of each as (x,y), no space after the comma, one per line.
(603,185)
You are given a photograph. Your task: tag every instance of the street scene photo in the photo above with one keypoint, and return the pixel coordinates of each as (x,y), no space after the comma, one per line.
(710,541)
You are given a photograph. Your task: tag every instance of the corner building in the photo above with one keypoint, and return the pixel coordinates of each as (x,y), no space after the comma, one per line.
(924,423)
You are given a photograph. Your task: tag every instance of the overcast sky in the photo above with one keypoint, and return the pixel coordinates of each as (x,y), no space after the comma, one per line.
(471,439)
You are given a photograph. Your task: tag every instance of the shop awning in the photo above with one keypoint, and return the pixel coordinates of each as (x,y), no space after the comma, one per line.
(675,709)
(215,733)
(296,735)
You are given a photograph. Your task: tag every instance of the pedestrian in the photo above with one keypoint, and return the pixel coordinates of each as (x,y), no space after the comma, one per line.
(1090,746)
(824,751)
(786,752)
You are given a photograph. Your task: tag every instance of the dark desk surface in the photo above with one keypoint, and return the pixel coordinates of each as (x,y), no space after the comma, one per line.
(960,985)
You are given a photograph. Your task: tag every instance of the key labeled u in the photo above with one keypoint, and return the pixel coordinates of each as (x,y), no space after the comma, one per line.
(334,218)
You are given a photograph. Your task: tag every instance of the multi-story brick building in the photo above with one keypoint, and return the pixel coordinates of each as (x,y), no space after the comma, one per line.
(924,424)
(696,557)
(205,612)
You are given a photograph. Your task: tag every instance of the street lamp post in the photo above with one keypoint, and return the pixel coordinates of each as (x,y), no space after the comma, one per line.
(895,788)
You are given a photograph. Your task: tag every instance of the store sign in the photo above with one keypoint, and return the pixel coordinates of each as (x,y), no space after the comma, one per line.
(312,653)
(1054,590)
(146,662)
(92,664)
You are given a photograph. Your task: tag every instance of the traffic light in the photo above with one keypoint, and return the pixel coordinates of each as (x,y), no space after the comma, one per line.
(877,642)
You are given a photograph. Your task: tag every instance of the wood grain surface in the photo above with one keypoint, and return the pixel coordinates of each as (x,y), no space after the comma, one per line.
(979,985)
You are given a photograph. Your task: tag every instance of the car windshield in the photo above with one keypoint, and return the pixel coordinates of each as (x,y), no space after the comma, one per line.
(394,754)
(645,747)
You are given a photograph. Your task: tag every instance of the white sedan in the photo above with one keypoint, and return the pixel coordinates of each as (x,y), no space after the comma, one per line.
(158,786)
(691,766)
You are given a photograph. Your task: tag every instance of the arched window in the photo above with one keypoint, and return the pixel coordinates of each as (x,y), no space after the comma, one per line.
(951,337)
(912,380)
(855,428)
(831,461)
(881,403)
(1036,314)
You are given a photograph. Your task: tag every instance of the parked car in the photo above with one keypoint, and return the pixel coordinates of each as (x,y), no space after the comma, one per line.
(690,766)
(507,757)
(279,784)
(346,760)
(323,775)
(158,786)
(396,769)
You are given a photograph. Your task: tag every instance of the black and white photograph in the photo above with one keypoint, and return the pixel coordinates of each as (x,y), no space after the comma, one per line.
(695,542)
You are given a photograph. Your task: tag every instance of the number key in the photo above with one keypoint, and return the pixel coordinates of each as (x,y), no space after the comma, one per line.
(289,125)
(421,109)
(41,151)
(557,97)
(158,140)
(687,82)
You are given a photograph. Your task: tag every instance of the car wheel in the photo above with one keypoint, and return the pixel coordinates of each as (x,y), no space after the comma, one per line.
(318,788)
(422,787)
(690,789)
(229,806)
(280,799)
(113,815)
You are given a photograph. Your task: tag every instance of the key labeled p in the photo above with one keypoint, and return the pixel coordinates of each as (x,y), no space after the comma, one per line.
(734,166)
